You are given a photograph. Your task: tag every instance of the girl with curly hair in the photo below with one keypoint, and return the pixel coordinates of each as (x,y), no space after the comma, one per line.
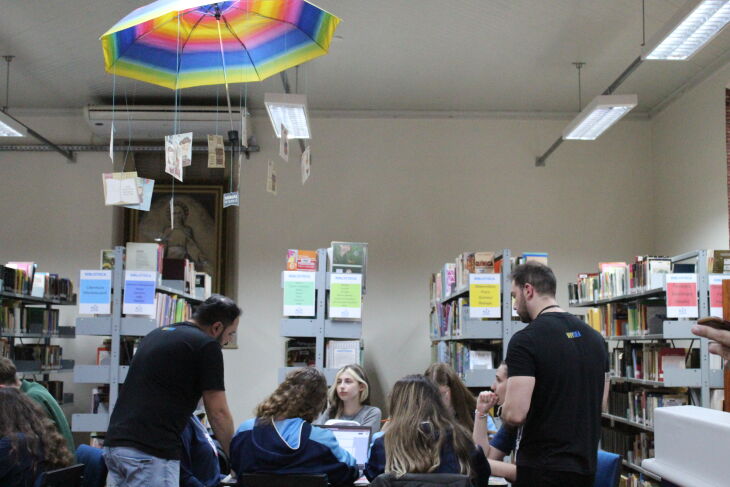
(29,442)
(423,436)
(281,439)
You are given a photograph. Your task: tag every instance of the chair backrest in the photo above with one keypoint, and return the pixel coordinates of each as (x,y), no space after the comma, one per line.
(607,469)
(422,480)
(275,480)
(94,466)
(63,477)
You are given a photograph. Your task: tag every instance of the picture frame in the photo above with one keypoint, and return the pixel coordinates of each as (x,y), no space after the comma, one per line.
(198,232)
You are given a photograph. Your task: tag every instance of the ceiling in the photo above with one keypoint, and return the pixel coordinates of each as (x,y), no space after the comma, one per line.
(389,55)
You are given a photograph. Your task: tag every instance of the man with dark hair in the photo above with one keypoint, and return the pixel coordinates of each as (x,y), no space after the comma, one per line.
(36,391)
(173,367)
(556,387)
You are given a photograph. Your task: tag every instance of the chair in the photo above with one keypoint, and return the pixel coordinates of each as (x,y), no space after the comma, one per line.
(607,469)
(422,480)
(276,480)
(63,477)
(94,466)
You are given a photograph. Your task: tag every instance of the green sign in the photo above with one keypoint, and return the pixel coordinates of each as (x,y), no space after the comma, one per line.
(346,296)
(299,293)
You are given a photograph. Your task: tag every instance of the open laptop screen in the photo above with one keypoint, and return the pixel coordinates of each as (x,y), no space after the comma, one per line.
(353,439)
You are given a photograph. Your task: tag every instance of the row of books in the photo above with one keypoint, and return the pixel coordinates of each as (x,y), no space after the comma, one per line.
(49,356)
(127,348)
(22,278)
(635,480)
(28,320)
(633,446)
(466,356)
(628,319)
(171,309)
(448,318)
(301,352)
(615,279)
(5,347)
(649,361)
(638,404)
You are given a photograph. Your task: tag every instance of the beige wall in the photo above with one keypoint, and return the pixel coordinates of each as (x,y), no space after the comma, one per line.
(690,170)
(418,191)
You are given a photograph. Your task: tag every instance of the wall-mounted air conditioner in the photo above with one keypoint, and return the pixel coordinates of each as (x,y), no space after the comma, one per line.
(155,122)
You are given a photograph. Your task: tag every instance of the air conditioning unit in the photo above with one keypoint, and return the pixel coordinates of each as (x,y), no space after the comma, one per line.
(155,122)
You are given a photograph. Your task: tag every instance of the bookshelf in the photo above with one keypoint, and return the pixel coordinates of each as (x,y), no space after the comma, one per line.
(115,326)
(16,306)
(635,391)
(473,331)
(320,327)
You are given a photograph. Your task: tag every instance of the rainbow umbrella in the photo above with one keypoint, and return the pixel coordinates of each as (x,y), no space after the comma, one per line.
(186,43)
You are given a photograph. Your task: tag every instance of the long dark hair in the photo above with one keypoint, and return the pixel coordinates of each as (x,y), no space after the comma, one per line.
(419,426)
(463,402)
(30,431)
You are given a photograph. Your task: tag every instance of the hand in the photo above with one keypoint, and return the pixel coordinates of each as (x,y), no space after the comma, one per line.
(722,337)
(486,401)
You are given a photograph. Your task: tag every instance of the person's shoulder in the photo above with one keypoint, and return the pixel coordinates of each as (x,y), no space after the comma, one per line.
(246,425)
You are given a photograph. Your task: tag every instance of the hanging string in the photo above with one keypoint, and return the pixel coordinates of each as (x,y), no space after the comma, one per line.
(175,119)
(223,61)
(114,97)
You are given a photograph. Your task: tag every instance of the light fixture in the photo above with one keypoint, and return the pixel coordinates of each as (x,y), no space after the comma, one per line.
(10,127)
(689,30)
(290,110)
(598,116)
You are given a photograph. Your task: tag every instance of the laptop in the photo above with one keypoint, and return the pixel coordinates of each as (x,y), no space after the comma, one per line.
(353,439)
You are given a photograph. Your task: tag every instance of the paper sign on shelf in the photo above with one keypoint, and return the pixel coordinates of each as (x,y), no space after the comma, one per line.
(345,296)
(139,293)
(298,293)
(95,292)
(484,296)
(716,293)
(682,296)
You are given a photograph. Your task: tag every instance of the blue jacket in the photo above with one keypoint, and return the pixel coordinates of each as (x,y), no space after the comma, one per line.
(449,462)
(291,446)
(16,468)
(199,465)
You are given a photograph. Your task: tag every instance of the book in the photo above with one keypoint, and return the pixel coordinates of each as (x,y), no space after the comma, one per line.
(484,262)
(203,285)
(721,262)
(300,352)
(106,260)
(143,256)
(301,260)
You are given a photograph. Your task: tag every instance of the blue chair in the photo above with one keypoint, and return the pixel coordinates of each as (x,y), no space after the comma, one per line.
(608,469)
(94,466)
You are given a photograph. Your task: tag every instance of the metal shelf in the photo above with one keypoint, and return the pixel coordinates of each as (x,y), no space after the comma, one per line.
(329,374)
(35,300)
(178,292)
(299,327)
(68,399)
(478,329)
(627,421)
(33,367)
(480,377)
(310,328)
(458,293)
(644,471)
(618,299)
(673,330)
(678,378)
(63,332)
(97,374)
(89,422)
(102,326)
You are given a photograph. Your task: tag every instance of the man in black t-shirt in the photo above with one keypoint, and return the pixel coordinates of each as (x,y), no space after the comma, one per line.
(173,367)
(556,388)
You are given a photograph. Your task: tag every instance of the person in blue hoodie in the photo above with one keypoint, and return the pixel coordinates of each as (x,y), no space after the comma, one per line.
(282,440)
(199,466)
(423,436)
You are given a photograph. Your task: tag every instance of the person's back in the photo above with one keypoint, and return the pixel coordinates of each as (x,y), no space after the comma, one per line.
(199,465)
(563,424)
(44,398)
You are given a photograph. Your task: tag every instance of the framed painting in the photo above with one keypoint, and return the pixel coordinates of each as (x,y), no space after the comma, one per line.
(193,230)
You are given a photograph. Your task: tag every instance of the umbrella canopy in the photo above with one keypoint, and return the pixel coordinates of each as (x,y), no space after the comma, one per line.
(178,43)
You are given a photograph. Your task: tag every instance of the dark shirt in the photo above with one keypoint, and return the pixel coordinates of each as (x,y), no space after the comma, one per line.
(167,376)
(568,360)
(199,466)
(505,439)
(16,467)
(480,470)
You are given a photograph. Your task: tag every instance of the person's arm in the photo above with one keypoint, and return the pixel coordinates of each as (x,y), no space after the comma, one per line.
(219,416)
(376,461)
(517,400)
(502,469)
(721,337)
(502,443)
(480,433)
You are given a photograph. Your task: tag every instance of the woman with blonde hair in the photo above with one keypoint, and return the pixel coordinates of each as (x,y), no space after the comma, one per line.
(349,399)
(281,439)
(30,444)
(422,436)
(455,395)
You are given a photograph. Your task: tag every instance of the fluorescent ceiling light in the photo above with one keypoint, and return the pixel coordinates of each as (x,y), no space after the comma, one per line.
(689,30)
(9,127)
(598,116)
(290,110)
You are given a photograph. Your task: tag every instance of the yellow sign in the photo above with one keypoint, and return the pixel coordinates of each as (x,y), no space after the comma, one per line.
(484,296)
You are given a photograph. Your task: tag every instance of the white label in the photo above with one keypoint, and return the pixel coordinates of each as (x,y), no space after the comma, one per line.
(230,199)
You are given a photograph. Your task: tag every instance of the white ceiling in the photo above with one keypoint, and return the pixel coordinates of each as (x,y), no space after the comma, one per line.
(393,55)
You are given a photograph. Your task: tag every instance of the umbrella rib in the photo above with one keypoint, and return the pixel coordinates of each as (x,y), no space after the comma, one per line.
(283,22)
(200,19)
(245,49)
